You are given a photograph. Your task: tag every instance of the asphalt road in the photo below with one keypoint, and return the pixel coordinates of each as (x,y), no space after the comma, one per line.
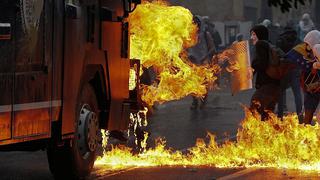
(180,126)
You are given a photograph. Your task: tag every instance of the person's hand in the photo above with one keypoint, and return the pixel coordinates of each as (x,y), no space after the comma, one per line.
(250,72)
(316,65)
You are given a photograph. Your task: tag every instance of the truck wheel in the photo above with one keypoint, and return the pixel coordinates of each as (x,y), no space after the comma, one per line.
(75,159)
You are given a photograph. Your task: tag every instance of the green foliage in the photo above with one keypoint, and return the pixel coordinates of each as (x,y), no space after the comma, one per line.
(286,5)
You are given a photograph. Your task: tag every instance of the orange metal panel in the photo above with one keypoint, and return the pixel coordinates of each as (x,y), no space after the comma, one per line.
(111,35)
(31,104)
(24,139)
(6,83)
(118,72)
(5,125)
(73,67)
(31,122)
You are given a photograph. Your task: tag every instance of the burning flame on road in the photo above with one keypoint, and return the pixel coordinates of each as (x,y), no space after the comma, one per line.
(159,36)
(272,143)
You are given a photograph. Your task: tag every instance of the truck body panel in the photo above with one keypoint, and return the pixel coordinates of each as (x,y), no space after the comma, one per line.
(48,50)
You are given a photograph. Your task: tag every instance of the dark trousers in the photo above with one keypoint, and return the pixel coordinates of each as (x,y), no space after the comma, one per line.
(311,102)
(292,80)
(265,99)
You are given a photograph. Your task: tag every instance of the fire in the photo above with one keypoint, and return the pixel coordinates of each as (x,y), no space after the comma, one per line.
(159,36)
(132,79)
(273,143)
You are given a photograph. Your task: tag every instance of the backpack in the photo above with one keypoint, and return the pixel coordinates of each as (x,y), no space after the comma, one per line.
(278,66)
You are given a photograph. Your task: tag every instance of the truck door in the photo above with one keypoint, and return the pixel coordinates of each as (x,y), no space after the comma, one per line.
(7,19)
(32,73)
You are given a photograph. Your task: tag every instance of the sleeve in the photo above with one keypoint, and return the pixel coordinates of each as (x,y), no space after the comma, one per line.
(293,56)
(261,58)
(296,58)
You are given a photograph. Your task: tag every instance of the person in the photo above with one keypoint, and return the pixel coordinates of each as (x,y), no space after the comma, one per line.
(305,25)
(267,90)
(274,30)
(266,23)
(287,40)
(215,34)
(303,56)
(201,53)
(316,66)
(316,52)
(209,35)
(198,54)
(239,38)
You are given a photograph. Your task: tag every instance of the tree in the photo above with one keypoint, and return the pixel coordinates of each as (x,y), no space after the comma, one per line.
(286,5)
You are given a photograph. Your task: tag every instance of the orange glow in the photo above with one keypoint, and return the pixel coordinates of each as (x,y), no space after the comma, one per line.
(160,34)
(273,143)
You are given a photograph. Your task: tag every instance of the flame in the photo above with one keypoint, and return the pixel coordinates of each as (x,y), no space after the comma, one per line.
(273,143)
(159,36)
(132,79)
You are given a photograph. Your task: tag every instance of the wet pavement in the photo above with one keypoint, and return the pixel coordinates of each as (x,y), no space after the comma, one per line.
(176,122)
(24,165)
(207,173)
(180,126)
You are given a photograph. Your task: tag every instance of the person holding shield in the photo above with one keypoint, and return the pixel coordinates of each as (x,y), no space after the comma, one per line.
(267,91)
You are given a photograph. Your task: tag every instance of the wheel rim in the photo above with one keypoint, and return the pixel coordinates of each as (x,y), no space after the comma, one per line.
(88,128)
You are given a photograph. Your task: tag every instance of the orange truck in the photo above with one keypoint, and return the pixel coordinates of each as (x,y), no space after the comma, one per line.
(64,72)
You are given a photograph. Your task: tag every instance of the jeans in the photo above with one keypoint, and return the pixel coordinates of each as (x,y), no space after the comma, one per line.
(292,80)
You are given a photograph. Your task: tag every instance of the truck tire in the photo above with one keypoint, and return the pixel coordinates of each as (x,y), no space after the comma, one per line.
(75,158)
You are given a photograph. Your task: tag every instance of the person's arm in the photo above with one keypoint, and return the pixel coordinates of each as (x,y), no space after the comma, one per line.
(296,58)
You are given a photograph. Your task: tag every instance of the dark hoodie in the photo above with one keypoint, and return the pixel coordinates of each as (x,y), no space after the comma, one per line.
(261,58)
(261,31)
(288,39)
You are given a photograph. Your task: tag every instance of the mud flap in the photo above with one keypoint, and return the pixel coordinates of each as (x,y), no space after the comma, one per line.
(125,117)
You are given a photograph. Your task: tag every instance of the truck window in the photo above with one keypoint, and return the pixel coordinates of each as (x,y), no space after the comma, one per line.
(29,29)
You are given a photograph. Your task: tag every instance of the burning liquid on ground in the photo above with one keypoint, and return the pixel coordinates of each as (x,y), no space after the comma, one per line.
(159,35)
(273,143)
